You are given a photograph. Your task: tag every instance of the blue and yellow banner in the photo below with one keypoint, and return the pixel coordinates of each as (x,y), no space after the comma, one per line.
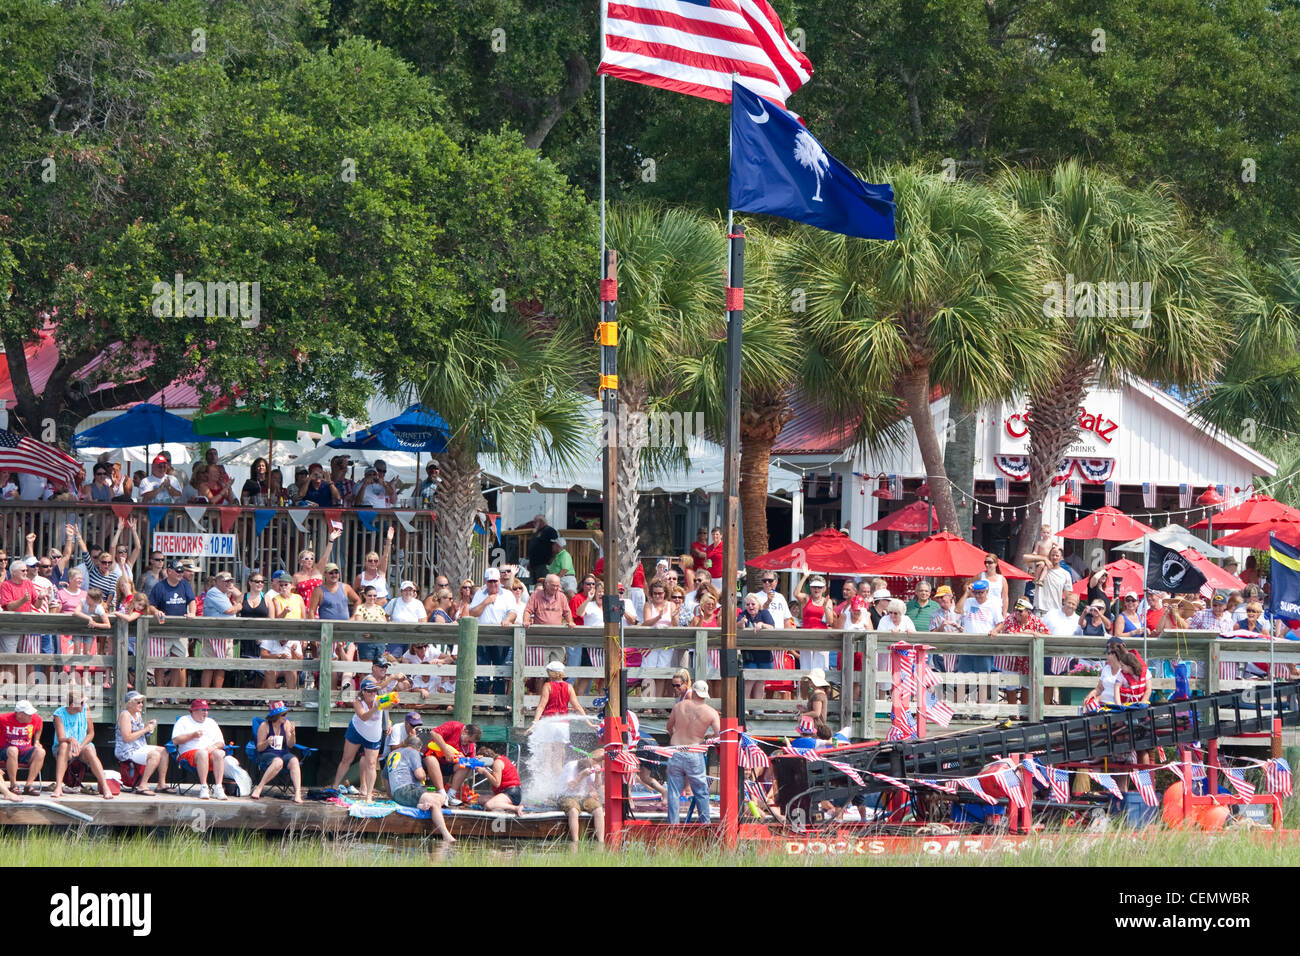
(1284,570)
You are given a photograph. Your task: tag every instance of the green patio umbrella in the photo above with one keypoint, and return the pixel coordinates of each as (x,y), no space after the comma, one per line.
(269,420)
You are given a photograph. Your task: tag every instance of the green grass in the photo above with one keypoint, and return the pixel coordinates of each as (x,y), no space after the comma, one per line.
(1123,848)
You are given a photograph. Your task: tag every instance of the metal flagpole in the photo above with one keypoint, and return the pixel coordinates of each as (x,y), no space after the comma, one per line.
(728,764)
(607,336)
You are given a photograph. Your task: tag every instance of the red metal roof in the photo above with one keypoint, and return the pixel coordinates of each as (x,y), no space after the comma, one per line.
(811,431)
(43,356)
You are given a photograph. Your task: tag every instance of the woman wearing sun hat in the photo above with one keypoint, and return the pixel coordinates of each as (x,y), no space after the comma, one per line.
(275,740)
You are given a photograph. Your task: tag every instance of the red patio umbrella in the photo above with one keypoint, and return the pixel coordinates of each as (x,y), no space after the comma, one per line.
(910,520)
(1129,574)
(941,555)
(1215,576)
(1286,528)
(1107,524)
(828,551)
(1256,508)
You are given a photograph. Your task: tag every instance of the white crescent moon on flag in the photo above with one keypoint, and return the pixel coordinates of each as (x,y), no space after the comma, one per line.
(762,117)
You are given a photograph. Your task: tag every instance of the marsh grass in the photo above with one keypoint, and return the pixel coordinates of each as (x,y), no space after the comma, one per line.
(180,848)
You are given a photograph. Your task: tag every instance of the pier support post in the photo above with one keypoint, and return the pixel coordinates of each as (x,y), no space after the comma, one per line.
(466,660)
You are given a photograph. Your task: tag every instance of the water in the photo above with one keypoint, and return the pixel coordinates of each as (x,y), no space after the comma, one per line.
(544,753)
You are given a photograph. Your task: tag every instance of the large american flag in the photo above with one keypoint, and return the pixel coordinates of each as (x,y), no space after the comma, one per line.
(20,453)
(693,47)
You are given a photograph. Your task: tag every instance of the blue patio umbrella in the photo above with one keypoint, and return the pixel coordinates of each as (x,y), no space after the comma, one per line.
(143,424)
(418,429)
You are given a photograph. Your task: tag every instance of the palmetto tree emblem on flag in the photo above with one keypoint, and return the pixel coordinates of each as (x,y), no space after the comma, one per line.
(809,154)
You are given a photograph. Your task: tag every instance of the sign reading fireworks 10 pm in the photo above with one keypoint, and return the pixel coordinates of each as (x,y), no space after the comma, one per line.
(173,544)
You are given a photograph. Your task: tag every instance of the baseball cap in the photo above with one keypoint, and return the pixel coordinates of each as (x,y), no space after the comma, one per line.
(555,666)
(1099,603)
(199,704)
(380,662)
(980,585)
(942,590)
(368,684)
(1220,597)
(818,677)
(330,567)
(1024,604)
(134,695)
(1131,594)
(25,707)
(817,583)
(176,565)
(561,541)
(371,470)
(492,574)
(413,719)
(30,561)
(408,584)
(282,573)
(701,688)
(160,458)
(881,595)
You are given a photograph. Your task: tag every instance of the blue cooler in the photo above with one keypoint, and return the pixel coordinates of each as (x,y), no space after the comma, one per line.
(1136,813)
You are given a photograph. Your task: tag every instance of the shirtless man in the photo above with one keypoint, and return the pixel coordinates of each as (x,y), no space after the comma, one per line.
(691,722)
(1035,562)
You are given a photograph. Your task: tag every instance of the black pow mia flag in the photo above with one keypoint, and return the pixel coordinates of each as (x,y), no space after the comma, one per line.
(1169,571)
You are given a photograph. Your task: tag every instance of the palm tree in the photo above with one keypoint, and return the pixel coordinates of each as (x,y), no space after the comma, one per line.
(954,302)
(670,303)
(505,385)
(1098,230)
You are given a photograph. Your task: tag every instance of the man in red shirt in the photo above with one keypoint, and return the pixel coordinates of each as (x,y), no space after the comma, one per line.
(446,742)
(20,736)
(1022,620)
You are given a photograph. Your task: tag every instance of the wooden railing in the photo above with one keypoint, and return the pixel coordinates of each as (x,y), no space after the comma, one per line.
(863,702)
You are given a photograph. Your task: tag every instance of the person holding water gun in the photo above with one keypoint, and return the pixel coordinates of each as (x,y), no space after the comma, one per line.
(365,734)
(448,744)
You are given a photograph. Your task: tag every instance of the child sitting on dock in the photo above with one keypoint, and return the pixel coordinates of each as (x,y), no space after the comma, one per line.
(507,790)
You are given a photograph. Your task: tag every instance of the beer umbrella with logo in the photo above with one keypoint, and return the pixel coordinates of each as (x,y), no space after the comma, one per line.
(1106,524)
(827,551)
(942,555)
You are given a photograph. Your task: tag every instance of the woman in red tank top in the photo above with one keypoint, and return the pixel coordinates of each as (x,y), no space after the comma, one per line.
(815,610)
(549,731)
(507,794)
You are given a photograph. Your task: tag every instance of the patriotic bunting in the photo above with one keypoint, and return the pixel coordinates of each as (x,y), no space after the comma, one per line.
(946,786)
(299,516)
(334,516)
(407,518)
(157,513)
(367,518)
(751,755)
(228,518)
(261,518)
(848,772)
(892,781)
(196,513)
(122,510)
(1011,784)
(1035,770)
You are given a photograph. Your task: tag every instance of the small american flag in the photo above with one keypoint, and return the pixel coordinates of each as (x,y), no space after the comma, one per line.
(1001,491)
(929,678)
(892,781)
(1060,785)
(847,771)
(1148,495)
(1112,494)
(1198,770)
(754,791)
(1277,774)
(946,786)
(939,711)
(626,762)
(20,453)
(1237,781)
(1011,784)
(1107,781)
(1145,786)
(1177,770)
(973,785)
(903,727)
(1090,705)
(633,727)
(1184,496)
(751,754)
(1035,770)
